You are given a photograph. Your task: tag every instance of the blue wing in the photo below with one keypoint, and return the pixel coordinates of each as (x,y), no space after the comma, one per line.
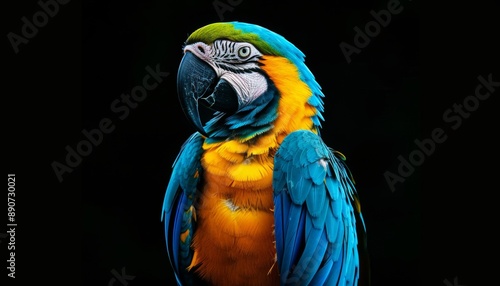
(315,219)
(178,212)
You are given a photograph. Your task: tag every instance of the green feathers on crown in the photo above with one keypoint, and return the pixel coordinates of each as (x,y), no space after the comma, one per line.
(234,31)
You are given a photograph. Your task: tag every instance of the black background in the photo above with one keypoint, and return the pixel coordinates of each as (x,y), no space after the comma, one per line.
(105,215)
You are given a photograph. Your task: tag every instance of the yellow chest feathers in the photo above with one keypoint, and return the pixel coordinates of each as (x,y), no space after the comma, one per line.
(240,171)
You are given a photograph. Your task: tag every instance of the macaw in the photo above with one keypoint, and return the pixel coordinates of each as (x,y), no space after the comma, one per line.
(255,196)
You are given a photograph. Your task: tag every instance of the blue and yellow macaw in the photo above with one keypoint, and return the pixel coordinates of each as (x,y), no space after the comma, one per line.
(255,196)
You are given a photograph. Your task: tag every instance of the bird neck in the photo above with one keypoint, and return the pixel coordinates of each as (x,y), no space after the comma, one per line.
(295,112)
(250,159)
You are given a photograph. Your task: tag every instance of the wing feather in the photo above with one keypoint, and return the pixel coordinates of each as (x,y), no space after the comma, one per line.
(315,220)
(177,212)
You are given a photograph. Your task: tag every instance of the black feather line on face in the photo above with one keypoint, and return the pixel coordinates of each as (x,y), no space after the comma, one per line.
(237,71)
(258,116)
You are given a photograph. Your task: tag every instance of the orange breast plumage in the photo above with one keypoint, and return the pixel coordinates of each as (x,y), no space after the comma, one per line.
(234,239)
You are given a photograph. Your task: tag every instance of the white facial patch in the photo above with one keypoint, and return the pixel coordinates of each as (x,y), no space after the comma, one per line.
(237,63)
(249,86)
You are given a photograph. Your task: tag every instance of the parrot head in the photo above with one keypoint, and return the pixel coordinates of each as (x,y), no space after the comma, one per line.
(252,78)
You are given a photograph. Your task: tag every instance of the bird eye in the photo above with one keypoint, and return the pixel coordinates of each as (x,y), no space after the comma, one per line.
(244,52)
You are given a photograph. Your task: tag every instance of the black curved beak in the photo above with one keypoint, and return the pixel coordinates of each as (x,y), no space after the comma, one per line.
(198,82)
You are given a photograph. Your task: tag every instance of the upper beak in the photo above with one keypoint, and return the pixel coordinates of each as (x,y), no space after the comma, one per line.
(197,81)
